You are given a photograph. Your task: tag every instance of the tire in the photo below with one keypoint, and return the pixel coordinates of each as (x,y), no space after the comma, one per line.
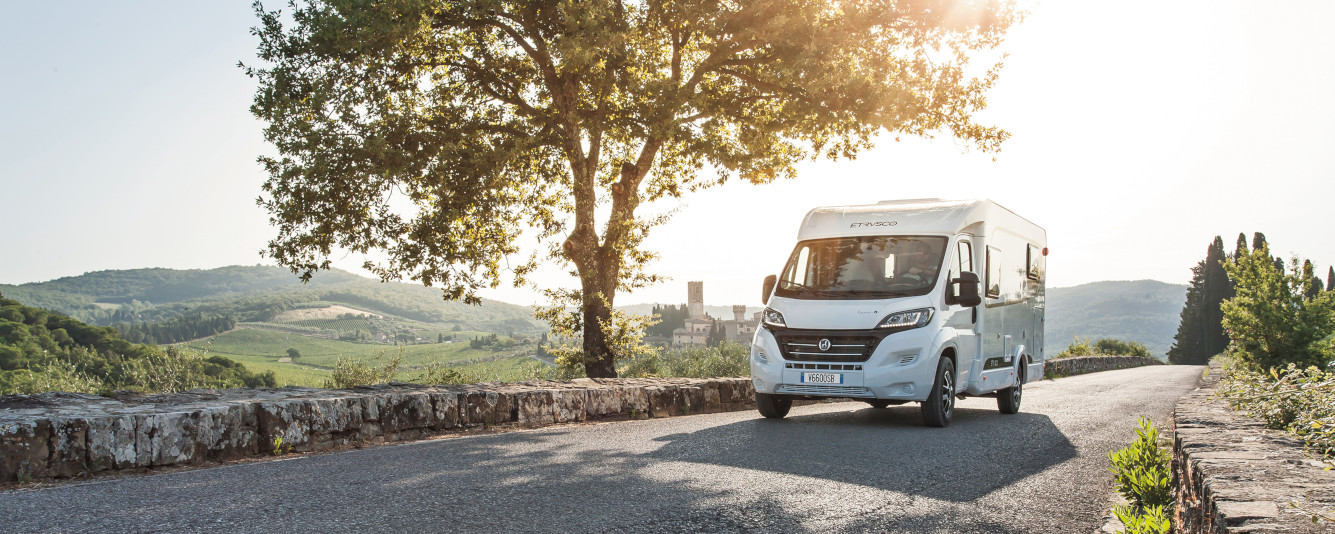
(773,406)
(1008,400)
(939,407)
(879,403)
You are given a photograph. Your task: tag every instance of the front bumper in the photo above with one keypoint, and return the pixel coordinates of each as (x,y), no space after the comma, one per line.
(900,368)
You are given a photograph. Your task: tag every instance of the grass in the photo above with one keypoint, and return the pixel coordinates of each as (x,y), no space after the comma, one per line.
(260,350)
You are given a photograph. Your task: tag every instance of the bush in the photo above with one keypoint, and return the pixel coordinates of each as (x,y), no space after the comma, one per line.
(1141,474)
(727,359)
(1300,401)
(1104,347)
(351,372)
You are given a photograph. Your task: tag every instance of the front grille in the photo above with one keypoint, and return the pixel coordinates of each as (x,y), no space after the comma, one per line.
(845,346)
(824,366)
(817,389)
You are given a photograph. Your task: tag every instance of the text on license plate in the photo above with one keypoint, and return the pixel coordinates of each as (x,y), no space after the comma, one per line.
(822,378)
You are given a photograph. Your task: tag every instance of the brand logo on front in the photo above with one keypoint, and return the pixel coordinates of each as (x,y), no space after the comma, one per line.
(873,224)
(824,345)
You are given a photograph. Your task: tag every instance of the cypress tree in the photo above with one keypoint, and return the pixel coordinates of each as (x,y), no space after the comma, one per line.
(1330,280)
(1258,241)
(1200,334)
(1313,287)
(1241,249)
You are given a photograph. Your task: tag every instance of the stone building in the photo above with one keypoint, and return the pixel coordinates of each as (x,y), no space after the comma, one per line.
(699,324)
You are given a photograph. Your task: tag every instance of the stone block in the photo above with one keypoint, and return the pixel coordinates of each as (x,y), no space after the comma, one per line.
(664,401)
(287,419)
(535,408)
(602,402)
(690,399)
(445,409)
(489,408)
(634,401)
(709,399)
(405,411)
(69,447)
(569,405)
(24,449)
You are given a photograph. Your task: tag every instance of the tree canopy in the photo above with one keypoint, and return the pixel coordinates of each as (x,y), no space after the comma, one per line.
(440,133)
(1273,320)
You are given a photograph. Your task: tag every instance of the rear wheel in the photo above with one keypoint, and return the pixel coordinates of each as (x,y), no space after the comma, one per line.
(1008,400)
(773,406)
(940,404)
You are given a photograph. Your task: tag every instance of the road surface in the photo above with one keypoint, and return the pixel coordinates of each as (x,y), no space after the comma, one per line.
(834,467)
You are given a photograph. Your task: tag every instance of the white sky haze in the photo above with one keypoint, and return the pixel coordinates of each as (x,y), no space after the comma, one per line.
(1141,130)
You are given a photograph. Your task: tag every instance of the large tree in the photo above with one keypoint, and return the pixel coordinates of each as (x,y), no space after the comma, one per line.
(1200,334)
(441,132)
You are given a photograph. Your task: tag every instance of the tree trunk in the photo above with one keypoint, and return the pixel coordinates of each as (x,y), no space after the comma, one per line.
(599,360)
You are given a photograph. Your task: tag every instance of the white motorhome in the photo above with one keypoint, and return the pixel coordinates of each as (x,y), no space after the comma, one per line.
(919,300)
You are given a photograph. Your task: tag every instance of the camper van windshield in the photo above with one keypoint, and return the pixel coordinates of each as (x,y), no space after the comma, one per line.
(863,267)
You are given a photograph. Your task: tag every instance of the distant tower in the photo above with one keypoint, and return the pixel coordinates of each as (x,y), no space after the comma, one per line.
(739,312)
(695,298)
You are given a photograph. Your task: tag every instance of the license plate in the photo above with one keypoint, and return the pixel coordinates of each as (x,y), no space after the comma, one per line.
(822,378)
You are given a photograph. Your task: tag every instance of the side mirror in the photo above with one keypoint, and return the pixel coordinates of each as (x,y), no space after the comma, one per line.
(964,290)
(769,288)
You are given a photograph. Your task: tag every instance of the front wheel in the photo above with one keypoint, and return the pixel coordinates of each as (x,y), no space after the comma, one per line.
(940,404)
(773,406)
(1008,400)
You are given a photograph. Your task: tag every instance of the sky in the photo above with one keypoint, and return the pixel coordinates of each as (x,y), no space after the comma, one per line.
(1140,130)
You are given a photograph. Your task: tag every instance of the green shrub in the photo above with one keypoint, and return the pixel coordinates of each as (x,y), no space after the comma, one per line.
(1104,347)
(1151,520)
(1141,474)
(1301,401)
(727,359)
(1118,347)
(352,372)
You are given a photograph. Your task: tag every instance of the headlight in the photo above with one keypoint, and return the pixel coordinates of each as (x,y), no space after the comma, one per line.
(907,319)
(773,318)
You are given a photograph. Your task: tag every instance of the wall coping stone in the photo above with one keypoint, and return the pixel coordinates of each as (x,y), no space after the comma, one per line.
(1232,475)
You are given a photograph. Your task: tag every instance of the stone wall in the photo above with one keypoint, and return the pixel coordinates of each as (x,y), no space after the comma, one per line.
(1080,365)
(63,435)
(1231,475)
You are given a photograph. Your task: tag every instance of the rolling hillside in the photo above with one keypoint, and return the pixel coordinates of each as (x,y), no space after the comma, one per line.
(1142,310)
(255,293)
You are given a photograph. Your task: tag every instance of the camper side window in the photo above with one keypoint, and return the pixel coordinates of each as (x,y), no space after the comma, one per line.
(993,272)
(1035,256)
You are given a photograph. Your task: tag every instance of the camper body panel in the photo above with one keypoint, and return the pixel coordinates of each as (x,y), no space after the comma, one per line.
(987,343)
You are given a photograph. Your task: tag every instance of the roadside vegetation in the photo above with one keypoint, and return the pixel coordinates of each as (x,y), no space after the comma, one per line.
(1104,347)
(1141,474)
(1281,329)
(1272,323)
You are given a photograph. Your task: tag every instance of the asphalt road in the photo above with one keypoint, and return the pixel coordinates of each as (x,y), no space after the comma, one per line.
(826,468)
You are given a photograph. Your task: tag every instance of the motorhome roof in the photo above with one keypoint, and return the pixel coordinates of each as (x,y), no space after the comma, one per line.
(914,216)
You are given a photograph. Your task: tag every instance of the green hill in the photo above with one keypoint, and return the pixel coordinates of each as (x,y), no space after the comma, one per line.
(1141,310)
(44,351)
(254,294)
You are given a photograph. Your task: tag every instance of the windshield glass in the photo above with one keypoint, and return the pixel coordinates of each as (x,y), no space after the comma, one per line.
(863,267)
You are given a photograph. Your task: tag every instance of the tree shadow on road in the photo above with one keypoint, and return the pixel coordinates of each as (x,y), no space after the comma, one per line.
(888,449)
